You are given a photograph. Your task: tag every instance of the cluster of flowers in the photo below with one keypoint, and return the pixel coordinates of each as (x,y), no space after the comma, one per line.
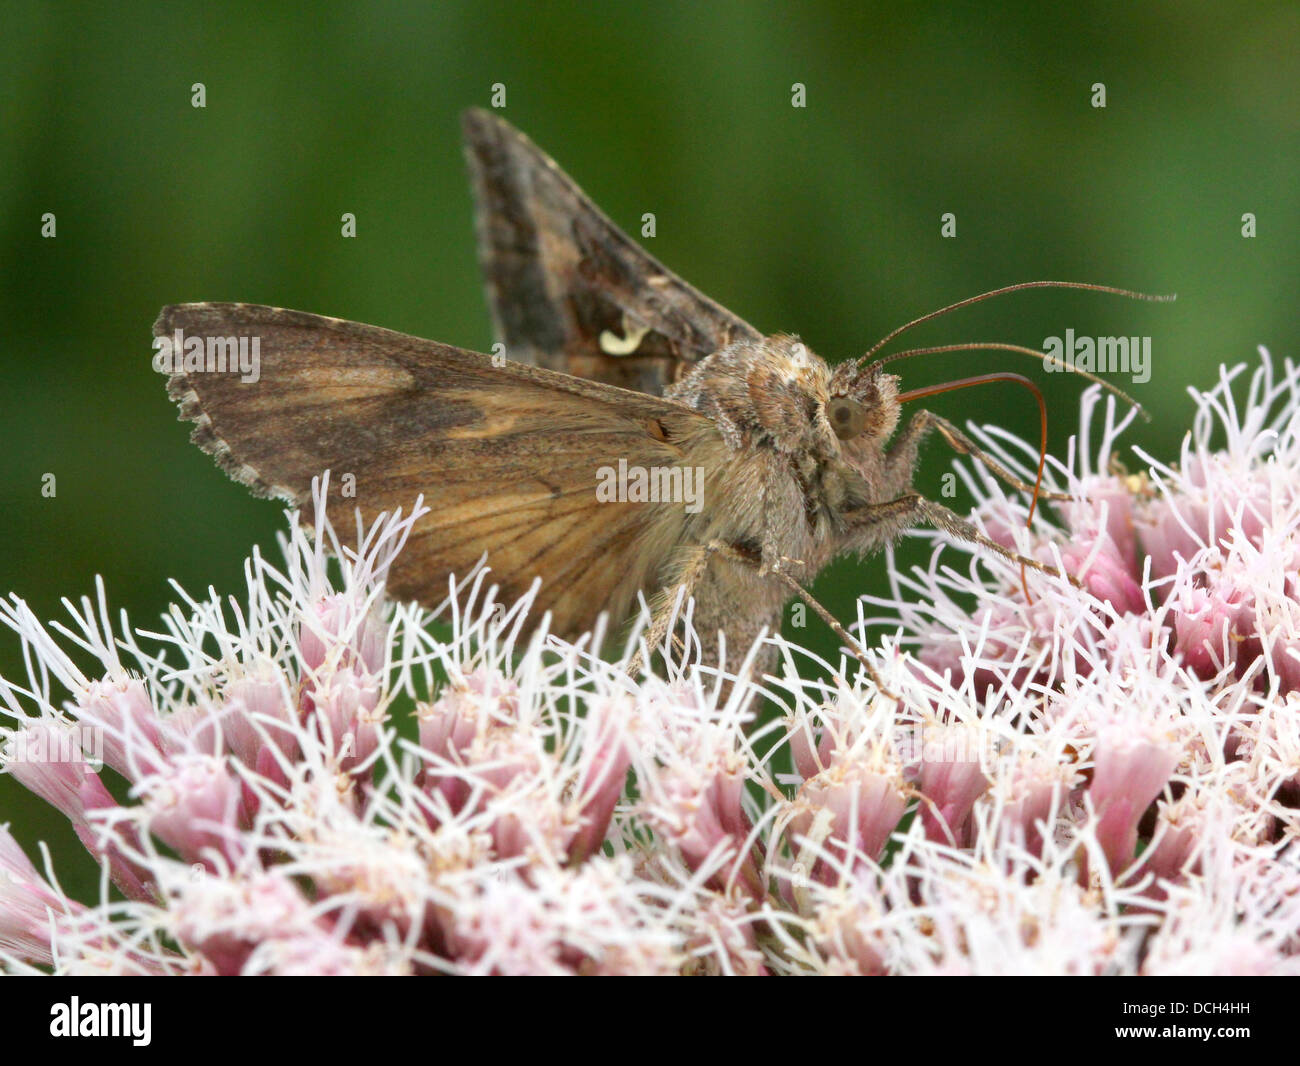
(1089,777)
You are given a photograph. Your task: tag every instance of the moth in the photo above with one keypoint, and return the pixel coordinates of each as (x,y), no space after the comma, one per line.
(613,364)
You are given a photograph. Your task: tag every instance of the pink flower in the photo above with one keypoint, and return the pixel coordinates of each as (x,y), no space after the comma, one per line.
(1099,778)
(1132,762)
(28,905)
(847,812)
(951,779)
(193,805)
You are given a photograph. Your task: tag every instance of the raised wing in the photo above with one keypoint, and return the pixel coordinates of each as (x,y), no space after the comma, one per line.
(567,289)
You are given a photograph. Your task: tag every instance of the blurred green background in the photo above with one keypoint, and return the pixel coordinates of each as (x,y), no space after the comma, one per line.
(824,220)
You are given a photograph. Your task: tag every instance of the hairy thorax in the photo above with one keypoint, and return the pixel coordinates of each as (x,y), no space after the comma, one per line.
(782,483)
(787,480)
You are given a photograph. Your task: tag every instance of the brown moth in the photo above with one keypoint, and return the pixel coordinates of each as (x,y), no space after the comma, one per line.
(639,440)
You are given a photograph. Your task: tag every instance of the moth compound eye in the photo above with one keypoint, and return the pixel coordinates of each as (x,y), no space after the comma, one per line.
(847,417)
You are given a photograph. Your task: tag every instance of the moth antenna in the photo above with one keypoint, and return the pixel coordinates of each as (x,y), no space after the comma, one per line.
(1017,287)
(1017,349)
(987,379)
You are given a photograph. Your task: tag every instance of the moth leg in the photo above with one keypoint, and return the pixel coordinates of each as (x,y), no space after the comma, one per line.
(777,570)
(908,442)
(770,556)
(770,563)
(914,506)
(661,612)
(773,567)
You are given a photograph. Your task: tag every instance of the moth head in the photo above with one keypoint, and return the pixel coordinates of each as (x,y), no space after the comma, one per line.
(861,405)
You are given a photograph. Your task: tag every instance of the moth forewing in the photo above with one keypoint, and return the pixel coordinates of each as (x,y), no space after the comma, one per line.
(506,456)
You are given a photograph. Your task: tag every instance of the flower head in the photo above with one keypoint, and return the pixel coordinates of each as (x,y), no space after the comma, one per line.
(1100,778)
